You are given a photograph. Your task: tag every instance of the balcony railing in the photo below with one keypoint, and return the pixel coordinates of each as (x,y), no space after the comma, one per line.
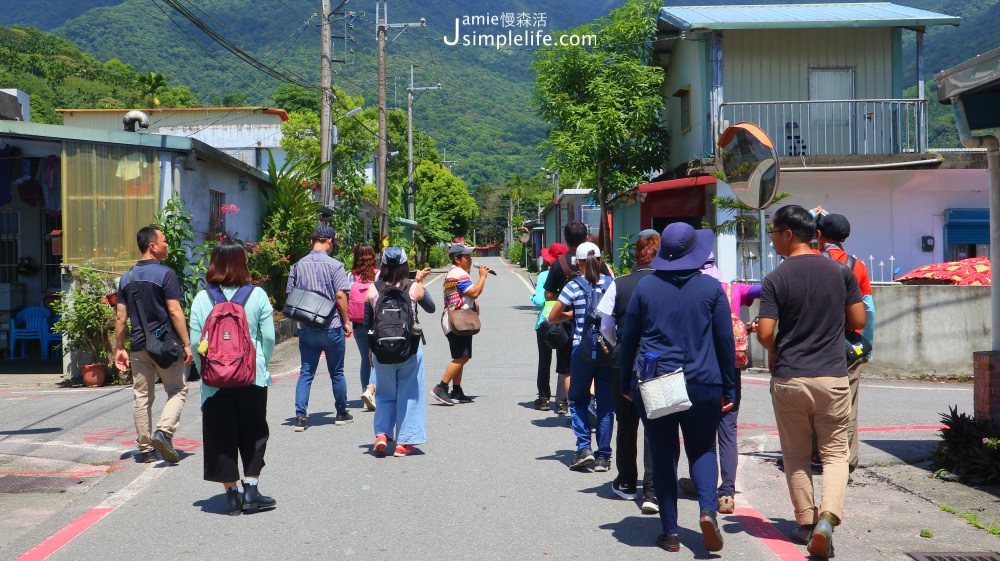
(836,127)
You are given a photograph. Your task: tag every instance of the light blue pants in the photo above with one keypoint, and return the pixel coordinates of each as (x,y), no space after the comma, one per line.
(400,404)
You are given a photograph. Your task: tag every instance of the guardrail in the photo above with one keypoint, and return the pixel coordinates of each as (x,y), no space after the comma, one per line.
(836,127)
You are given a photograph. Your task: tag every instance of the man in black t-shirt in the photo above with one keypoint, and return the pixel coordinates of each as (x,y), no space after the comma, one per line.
(811,300)
(159,294)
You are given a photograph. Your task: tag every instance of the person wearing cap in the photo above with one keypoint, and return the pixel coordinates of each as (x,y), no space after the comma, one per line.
(573,305)
(320,273)
(831,231)
(459,292)
(801,324)
(549,255)
(400,406)
(683,317)
(612,308)
(562,271)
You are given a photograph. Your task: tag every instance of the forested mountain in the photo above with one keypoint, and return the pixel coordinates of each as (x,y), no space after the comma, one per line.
(482,117)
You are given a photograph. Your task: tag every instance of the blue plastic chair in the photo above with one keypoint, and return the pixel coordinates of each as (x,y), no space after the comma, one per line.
(31,323)
(53,337)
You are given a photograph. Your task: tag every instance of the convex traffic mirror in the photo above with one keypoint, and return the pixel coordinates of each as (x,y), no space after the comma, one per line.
(750,164)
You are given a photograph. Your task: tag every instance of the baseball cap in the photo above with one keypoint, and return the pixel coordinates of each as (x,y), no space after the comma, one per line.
(457,249)
(834,226)
(648,232)
(323,232)
(393,256)
(585,248)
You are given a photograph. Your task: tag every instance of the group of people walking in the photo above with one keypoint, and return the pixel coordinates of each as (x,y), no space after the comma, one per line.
(673,313)
(234,416)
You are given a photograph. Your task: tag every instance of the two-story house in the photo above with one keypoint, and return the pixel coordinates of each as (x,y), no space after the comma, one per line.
(825,81)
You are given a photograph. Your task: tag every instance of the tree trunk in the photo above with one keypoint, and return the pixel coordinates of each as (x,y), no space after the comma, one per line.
(604,231)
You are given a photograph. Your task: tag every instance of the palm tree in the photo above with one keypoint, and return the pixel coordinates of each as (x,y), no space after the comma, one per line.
(151,84)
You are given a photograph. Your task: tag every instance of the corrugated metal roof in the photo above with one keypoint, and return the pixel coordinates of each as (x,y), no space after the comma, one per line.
(783,16)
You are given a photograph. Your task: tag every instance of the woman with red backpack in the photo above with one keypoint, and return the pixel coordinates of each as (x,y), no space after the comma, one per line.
(234,419)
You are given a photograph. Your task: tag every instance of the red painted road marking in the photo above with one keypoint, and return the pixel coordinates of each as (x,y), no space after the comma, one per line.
(910,427)
(760,528)
(64,536)
(893,429)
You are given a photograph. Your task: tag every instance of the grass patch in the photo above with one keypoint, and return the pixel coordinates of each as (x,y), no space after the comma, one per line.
(972,519)
(926,534)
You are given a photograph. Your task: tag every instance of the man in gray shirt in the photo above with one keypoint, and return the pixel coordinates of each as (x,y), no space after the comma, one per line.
(320,273)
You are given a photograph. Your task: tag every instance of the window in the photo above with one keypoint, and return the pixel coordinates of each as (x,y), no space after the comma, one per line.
(217,199)
(684,95)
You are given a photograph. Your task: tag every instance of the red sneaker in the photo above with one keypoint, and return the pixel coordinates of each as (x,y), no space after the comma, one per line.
(381,443)
(403,450)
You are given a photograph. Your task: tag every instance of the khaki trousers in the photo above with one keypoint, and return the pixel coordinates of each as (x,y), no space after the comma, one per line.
(804,406)
(144,372)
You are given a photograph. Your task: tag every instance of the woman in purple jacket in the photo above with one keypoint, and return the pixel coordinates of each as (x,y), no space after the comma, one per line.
(684,317)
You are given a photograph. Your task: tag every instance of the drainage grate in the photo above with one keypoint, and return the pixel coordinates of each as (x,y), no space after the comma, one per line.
(38,484)
(966,556)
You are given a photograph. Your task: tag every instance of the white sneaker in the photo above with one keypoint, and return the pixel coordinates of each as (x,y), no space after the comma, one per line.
(368,400)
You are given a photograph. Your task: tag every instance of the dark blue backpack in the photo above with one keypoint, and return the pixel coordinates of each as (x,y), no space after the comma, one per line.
(593,347)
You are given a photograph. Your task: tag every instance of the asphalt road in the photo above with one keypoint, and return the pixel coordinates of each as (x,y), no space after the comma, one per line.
(491,483)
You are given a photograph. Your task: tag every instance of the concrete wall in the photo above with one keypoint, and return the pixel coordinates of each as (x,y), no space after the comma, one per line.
(924,330)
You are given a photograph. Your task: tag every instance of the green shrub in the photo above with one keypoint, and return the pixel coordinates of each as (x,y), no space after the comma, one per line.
(969,447)
(437,257)
(515,253)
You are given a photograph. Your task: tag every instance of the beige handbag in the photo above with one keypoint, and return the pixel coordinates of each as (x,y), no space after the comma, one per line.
(464,322)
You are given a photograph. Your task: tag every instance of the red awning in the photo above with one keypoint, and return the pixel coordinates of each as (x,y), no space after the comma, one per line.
(676,183)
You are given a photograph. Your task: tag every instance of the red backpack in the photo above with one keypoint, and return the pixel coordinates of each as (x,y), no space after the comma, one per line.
(230,361)
(356,301)
(739,332)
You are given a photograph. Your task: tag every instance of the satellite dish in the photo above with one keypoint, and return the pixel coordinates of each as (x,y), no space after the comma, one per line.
(750,164)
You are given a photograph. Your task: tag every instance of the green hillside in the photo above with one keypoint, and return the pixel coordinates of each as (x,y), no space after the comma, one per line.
(482,118)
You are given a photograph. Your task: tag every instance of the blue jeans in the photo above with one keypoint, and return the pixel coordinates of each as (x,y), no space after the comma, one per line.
(311,343)
(581,374)
(400,402)
(361,338)
(698,425)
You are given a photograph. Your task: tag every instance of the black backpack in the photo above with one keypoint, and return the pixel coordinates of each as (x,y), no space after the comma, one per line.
(392,338)
(593,347)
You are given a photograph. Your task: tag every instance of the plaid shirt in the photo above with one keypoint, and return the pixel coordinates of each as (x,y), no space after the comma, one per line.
(320,273)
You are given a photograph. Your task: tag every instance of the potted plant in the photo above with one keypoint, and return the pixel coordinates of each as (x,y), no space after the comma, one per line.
(84,320)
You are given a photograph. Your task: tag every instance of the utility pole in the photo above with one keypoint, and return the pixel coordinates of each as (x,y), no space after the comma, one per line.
(382,27)
(410,213)
(325,103)
(445,160)
(326,98)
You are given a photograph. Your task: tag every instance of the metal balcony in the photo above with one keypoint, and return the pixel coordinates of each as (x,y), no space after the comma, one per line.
(836,127)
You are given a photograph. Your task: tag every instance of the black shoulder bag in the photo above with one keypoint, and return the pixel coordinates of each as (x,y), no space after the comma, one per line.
(163,345)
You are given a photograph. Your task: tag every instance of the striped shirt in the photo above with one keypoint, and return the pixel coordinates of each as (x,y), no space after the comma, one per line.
(322,274)
(574,297)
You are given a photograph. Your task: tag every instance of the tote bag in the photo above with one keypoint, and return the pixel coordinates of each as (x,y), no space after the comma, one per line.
(665,394)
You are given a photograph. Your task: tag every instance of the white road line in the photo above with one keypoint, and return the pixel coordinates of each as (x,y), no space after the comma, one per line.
(148,476)
(64,444)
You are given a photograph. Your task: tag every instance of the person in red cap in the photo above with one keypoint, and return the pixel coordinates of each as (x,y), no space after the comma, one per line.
(549,254)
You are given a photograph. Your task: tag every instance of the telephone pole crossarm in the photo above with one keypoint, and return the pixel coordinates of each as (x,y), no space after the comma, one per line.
(410,192)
